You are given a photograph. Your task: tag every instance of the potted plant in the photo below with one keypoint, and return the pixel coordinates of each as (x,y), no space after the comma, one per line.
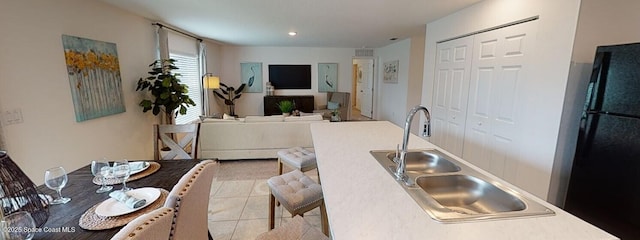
(169,95)
(286,107)
(230,96)
(335,115)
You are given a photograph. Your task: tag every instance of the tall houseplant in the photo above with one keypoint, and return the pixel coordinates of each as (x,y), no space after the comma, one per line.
(229,95)
(169,95)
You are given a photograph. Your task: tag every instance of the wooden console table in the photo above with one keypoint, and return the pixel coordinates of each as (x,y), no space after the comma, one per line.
(304,103)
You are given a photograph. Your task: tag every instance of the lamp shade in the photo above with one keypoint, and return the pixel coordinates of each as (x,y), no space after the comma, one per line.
(18,193)
(211,81)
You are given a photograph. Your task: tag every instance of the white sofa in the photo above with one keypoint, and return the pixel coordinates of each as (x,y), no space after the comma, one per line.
(254,137)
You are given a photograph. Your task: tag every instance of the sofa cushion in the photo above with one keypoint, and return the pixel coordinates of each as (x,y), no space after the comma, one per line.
(314,117)
(274,118)
(222,120)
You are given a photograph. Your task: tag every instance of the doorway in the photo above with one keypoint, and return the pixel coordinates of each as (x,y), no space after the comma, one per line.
(362,93)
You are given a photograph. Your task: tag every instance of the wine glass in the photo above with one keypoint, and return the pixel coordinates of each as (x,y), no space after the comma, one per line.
(121,170)
(20,225)
(56,178)
(101,169)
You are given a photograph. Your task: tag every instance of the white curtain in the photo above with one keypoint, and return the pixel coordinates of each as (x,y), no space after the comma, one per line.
(202,57)
(162,42)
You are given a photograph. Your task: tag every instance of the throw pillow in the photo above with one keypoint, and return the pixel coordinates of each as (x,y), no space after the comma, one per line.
(333,105)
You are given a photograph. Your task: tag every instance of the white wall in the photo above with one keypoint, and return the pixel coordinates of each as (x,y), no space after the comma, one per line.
(600,23)
(391,98)
(214,65)
(555,35)
(33,78)
(416,73)
(252,103)
(394,100)
(605,23)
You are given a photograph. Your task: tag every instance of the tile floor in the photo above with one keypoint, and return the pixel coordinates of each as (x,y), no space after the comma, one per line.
(239,209)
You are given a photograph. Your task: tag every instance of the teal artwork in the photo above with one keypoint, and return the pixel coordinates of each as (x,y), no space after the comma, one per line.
(251,75)
(327,77)
(94,77)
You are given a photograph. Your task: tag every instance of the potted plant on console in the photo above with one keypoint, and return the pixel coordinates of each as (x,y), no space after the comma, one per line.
(169,95)
(230,96)
(286,107)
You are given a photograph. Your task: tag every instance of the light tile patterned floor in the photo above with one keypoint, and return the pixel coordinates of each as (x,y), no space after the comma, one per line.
(239,209)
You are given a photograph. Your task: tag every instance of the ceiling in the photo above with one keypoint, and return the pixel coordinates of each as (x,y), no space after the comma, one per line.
(326,23)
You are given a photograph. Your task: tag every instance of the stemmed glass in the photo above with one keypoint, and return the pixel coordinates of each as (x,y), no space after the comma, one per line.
(101,169)
(121,170)
(20,225)
(56,178)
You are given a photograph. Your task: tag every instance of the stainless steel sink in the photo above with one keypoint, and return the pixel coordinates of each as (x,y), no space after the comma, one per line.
(450,191)
(426,162)
(469,195)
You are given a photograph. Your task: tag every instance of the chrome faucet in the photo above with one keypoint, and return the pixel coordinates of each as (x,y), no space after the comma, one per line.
(401,169)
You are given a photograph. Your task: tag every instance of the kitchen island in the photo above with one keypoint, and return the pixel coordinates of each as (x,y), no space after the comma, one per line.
(365,202)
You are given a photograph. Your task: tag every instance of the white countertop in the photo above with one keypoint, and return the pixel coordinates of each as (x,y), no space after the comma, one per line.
(364,202)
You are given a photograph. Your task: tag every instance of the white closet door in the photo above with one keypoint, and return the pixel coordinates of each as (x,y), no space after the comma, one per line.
(453,67)
(496,107)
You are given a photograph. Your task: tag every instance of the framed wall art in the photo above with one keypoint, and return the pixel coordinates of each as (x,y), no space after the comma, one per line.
(391,71)
(94,77)
(327,77)
(251,74)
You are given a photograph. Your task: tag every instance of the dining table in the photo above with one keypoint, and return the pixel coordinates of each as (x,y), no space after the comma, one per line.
(63,221)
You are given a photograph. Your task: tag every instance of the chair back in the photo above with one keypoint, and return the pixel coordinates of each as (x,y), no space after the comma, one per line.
(153,225)
(190,200)
(180,140)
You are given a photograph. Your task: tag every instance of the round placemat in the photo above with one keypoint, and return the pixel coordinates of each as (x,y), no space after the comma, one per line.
(153,167)
(92,221)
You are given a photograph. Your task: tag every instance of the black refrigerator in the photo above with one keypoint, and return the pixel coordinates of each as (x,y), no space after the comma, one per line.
(604,188)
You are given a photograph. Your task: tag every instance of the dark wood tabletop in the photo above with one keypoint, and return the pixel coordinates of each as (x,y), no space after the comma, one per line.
(63,219)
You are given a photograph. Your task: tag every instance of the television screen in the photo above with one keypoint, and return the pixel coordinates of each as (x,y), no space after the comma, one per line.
(290,76)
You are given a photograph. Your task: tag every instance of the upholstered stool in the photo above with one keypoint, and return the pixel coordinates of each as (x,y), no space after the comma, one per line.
(297,158)
(298,194)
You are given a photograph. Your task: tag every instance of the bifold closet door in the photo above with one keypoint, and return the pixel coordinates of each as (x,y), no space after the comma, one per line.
(451,87)
(496,99)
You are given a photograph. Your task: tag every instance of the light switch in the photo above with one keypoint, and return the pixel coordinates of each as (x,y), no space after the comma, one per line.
(12,116)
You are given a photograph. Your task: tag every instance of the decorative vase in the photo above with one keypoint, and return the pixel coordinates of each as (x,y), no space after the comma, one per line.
(18,193)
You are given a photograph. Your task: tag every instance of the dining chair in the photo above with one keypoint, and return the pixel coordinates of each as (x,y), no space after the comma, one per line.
(153,225)
(297,229)
(189,198)
(179,141)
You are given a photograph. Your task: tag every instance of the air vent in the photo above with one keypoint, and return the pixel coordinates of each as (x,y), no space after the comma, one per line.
(364,52)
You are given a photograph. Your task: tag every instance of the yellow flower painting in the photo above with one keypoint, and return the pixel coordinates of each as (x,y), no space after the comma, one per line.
(94,77)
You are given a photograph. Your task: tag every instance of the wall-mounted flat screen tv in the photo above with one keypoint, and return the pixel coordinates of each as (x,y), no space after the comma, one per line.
(290,76)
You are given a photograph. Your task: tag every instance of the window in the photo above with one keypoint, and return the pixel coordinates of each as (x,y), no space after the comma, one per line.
(188,69)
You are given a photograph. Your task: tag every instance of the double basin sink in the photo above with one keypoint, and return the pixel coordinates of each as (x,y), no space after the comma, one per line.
(450,191)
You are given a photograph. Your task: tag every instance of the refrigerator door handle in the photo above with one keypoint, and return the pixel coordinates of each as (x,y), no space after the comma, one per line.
(598,81)
(588,126)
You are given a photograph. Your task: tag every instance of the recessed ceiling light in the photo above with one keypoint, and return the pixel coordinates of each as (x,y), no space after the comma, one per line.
(293,33)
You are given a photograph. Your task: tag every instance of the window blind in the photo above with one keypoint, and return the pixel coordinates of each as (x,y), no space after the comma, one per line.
(188,69)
